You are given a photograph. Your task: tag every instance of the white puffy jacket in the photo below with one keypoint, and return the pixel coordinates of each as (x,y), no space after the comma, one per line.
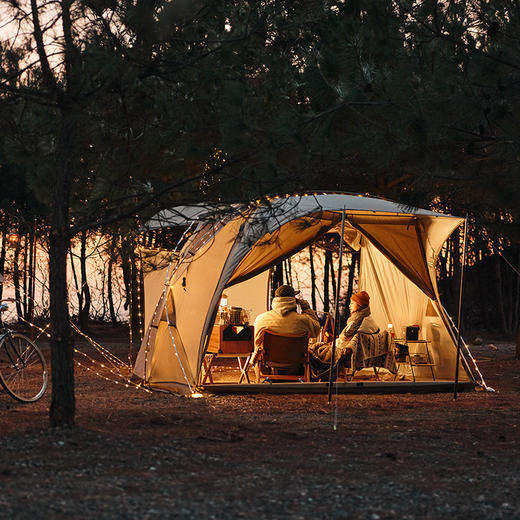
(284,319)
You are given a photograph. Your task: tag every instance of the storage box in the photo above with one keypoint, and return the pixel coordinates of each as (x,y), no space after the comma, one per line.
(229,339)
(401,352)
(412,333)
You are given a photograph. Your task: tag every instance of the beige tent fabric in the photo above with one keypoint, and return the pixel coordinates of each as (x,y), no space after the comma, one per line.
(227,253)
(282,243)
(154,283)
(191,288)
(162,344)
(164,367)
(395,299)
(252,295)
(411,242)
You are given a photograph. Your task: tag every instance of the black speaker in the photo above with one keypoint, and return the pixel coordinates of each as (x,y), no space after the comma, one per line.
(412,333)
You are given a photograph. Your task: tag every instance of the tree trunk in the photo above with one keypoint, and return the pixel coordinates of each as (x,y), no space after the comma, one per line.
(276,278)
(110,293)
(2,255)
(500,295)
(125,267)
(326,280)
(351,275)
(84,310)
(63,403)
(32,273)
(25,299)
(286,272)
(313,278)
(62,408)
(16,280)
(130,277)
(332,278)
(456,267)
(79,294)
(3,251)
(507,294)
(482,281)
(516,317)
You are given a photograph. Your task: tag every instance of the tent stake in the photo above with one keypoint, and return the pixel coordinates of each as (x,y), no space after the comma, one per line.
(336,307)
(461,295)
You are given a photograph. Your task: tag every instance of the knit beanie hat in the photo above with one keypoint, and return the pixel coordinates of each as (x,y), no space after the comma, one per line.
(361,298)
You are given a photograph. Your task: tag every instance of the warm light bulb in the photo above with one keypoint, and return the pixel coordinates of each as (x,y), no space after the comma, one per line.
(13,237)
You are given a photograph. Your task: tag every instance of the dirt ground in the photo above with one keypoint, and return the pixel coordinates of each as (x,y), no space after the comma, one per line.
(143,456)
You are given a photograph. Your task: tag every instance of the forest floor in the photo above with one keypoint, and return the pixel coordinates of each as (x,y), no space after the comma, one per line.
(154,455)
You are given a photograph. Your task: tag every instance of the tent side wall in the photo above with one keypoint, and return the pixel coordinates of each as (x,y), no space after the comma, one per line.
(395,299)
(173,352)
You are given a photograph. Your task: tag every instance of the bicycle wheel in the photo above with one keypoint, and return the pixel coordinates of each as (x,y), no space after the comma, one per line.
(23,371)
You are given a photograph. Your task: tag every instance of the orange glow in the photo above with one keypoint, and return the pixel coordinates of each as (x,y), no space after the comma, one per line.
(13,237)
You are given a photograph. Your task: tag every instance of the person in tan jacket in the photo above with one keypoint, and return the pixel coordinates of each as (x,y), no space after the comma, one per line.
(283,318)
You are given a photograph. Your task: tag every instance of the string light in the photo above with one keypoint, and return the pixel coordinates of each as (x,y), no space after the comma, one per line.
(42,331)
(126,384)
(139,300)
(163,303)
(130,317)
(475,366)
(13,236)
(110,357)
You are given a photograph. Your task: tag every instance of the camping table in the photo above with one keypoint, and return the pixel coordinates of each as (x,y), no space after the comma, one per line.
(229,341)
(417,358)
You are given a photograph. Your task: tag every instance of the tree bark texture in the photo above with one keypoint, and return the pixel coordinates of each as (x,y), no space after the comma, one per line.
(3,251)
(326,280)
(32,273)
(84,309)
(25,299)
(63,402)
(110,292)
(16,280)
(351,275)
(313,277)
(500,294)
(276,278)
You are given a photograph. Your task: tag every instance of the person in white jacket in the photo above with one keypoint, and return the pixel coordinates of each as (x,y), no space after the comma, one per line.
(283,318)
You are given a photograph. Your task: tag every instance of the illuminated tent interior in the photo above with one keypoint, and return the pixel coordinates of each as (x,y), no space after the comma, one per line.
(398,250)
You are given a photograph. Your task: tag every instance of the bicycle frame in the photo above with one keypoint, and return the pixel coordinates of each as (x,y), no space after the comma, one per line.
(23,370)
(6,333)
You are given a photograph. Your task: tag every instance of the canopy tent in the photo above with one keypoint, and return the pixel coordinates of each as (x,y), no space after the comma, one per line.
(398,251)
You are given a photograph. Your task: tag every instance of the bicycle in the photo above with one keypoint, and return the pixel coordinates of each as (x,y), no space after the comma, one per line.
(23,371)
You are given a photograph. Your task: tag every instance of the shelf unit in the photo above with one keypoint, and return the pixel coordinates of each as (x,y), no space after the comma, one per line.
(421,357)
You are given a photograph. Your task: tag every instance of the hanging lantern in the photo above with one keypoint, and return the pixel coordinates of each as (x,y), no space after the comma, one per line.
(13,237)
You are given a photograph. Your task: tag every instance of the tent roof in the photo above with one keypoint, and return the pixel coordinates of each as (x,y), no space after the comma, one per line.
(296,205)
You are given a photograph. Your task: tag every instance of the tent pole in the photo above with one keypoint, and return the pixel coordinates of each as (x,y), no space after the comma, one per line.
(461,295)
(336,306)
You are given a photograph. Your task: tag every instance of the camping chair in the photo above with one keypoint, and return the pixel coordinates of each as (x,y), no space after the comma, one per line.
(287,353)
(358,358)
